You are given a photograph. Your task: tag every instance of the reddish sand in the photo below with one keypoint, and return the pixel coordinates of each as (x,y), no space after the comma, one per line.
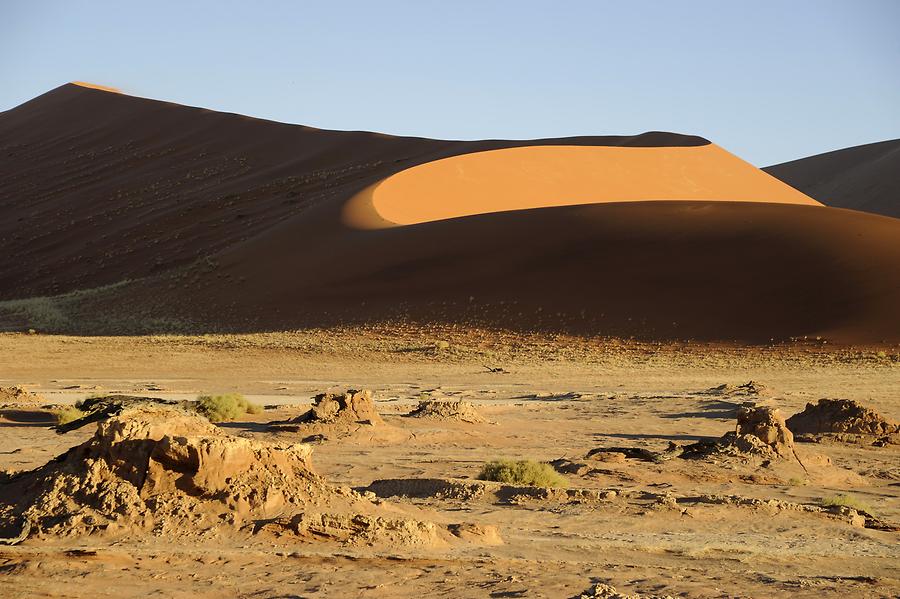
(234,223)
(862,178)
(546,176)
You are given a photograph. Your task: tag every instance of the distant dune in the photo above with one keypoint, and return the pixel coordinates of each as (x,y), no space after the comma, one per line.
(863,178)
(235,223)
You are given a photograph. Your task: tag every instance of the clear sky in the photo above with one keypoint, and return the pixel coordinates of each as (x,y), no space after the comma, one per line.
(770,80)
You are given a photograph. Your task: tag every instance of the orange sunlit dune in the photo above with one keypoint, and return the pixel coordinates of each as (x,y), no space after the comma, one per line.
(547,176)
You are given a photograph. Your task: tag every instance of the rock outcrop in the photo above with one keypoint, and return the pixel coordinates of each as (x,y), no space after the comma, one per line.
(843,420)
(166,471)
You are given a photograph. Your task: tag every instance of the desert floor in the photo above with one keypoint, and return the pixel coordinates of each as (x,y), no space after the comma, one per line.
(679,527)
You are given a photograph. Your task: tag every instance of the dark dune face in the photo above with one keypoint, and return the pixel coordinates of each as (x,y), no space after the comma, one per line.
(97,187)
(860,178)
(655,270)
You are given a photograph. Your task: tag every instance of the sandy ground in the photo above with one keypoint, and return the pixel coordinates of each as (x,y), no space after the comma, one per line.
(555,398)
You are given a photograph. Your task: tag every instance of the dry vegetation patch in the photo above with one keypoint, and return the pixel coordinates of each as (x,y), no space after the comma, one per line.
(848,501)
(522,472)
(67,414)
(225,408)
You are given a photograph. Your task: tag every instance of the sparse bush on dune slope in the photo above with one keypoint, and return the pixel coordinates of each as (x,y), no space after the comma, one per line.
(226,407)
(522,472)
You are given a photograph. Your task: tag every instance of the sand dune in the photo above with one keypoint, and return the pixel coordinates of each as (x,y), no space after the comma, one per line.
(235,223)
(861,178)
(546,176)
(98,187)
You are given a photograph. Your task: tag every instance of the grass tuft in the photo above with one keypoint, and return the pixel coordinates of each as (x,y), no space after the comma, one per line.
(67,414)
(522,472)
(225,408)
(846,501)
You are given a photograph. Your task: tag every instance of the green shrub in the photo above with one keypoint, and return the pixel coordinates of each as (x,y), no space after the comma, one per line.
(67,414)
(846,501)
(522,472)
(224,408)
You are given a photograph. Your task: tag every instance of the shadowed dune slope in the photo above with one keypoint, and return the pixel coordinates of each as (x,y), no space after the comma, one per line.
(96,187)
(671,269)
(863,178)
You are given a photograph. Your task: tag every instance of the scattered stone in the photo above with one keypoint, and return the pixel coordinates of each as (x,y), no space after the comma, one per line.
(495,369)
(462,411)
(469,490)
(605,591)
(852,516)
(438,488)
(748,389)
(24,531)
(360,529)
(483,535)
(807,438)
(610,457)
(565,466)
(608,454)
(19,395)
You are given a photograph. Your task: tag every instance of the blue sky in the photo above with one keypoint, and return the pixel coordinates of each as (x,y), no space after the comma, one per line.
(769,80)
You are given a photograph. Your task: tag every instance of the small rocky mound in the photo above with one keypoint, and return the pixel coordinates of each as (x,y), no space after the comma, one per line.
(461,411)
(605,591)
(844,420)
(19,395)
(761,432)
(166,471)
(349,408)
(767,425)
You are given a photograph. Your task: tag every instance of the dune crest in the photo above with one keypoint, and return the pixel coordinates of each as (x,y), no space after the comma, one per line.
(104,88)
(560,175)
